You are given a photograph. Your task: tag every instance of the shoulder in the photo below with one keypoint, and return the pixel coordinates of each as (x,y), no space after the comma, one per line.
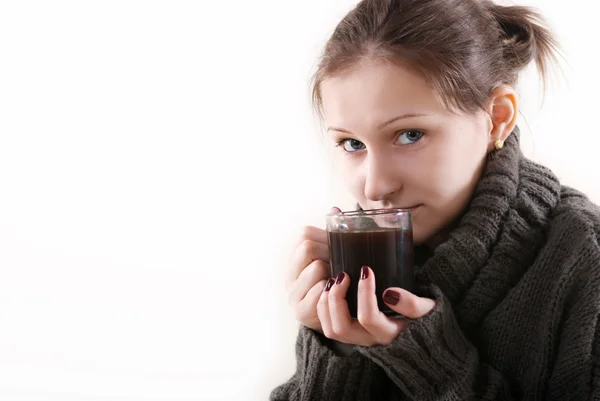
(576,212)
(574,229)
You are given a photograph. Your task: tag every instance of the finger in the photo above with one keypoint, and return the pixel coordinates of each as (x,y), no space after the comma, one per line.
(311,275)
(305,254)
(323,310)
(338,307)
(313,234)
(369,316)
(346,330)
(306,310)
(407,303)
(310,301)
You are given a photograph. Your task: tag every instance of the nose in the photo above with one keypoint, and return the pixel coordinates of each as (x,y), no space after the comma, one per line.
(381,178)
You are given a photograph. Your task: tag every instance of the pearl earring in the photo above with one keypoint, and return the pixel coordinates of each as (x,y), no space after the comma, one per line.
(499,144)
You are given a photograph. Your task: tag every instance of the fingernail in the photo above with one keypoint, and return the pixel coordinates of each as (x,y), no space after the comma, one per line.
(339,278)
(391,297)
(364,272)
(329,284)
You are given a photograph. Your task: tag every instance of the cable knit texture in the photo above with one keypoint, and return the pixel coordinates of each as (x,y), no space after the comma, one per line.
(517,286)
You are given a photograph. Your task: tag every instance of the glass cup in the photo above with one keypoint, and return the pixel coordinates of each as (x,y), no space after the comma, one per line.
(381,239)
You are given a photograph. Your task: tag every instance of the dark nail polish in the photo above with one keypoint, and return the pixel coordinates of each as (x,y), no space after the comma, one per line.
(329,284)
(364,272)
(339,278)
(391,297)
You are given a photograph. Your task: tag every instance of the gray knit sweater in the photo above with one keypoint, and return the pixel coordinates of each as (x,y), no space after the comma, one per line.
(517,287)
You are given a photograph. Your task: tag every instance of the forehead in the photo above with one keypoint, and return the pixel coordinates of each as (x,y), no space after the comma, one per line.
(376,91)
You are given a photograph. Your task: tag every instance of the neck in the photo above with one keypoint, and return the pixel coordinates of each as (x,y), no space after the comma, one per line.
(444,234)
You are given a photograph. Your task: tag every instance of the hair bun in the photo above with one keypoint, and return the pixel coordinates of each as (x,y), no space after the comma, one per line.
(514,33)
(523,36)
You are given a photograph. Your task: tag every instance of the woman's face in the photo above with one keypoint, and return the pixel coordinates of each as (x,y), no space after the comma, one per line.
(396,145)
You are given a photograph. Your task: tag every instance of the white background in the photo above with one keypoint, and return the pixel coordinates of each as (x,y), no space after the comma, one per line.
(158,158)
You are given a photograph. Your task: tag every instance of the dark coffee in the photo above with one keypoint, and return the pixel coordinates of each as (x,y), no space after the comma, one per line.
(388,252)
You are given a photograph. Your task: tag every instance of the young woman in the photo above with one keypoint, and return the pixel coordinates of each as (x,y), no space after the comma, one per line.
(419,102)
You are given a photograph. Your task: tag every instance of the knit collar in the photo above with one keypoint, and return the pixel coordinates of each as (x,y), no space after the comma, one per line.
(499,235)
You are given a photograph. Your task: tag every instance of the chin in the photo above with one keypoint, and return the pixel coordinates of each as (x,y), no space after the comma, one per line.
(420,237)
(423,232)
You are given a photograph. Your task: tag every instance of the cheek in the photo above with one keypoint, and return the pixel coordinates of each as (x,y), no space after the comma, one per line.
(433,175)
(350,174)
(457,176)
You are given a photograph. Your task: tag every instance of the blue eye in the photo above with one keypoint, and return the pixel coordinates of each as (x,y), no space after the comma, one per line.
(410,137)
(351,145)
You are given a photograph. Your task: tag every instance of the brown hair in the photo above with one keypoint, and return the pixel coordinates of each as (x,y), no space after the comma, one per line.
(463,48)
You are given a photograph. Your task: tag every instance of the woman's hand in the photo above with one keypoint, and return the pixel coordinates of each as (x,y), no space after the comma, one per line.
(372,327)
(308,275)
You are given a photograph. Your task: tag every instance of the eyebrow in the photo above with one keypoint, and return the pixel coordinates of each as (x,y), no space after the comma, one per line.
(384,124)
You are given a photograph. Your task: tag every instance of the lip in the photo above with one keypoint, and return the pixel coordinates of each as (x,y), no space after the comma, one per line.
(411,208)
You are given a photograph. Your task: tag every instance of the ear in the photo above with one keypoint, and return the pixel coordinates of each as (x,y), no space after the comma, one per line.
(502,109)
